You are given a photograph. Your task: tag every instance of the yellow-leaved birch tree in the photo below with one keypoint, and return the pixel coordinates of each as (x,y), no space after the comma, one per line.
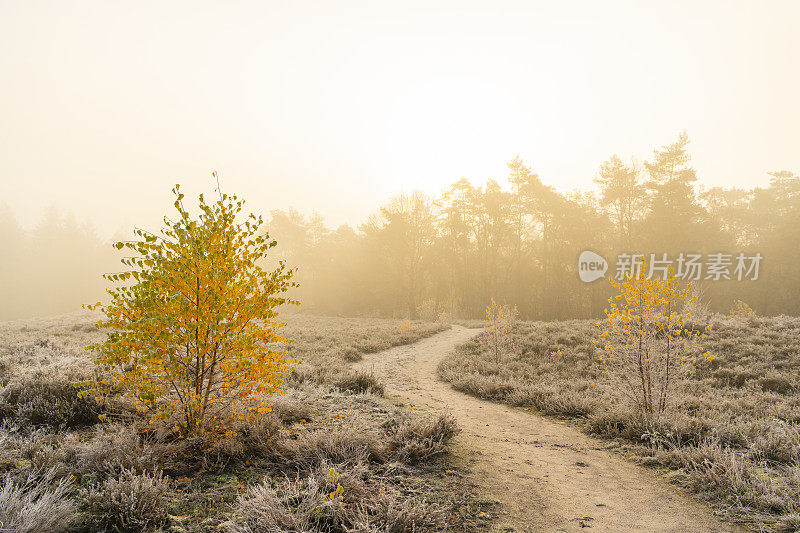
(193,325)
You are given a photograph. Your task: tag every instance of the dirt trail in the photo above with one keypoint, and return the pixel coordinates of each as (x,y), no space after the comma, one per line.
(547,475)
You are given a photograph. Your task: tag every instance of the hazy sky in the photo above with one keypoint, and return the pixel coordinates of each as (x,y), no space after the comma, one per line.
(335,106)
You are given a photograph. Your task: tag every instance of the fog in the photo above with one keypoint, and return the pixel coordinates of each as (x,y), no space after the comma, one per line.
(377,140)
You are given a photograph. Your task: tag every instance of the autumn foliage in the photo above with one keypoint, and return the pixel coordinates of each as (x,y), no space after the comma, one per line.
(498,334)
(649,340)
(193,324)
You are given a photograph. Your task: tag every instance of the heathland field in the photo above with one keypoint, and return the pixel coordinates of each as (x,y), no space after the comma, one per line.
(332,456)
(732,429)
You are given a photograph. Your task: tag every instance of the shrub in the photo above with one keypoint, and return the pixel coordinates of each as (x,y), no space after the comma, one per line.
(498,332)
(698,304)
(643,339)
(247,439)
(351,355)
(431,311)
(332,500)
(358,382)
(130,503)
(729,474)
(741,310)
(341,446)
(290,505)
(779,442)
(36,505)
(192,334)
(5,372)
(776,382)
(47,400)
(387,512)
(414,441)
(428,310)
(293,407)
(111,450)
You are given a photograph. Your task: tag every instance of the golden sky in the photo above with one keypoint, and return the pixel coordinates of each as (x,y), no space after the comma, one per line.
(335,106)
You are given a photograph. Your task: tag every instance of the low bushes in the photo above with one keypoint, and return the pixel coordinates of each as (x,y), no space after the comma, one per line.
(335,445)
(743,401)
(358,382)
(40,399)
(37,504)
(122,473)
(341,378)
(415,441)
(333,499)
(131,502)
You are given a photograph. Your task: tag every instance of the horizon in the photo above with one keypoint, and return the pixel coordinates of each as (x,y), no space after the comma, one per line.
(29,223)
(336,110)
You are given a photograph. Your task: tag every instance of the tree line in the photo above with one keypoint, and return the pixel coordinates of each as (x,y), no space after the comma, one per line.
(520,243)
(51,269)
(515,241)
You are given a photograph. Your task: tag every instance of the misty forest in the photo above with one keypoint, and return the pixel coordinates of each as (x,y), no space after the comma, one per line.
(515,239)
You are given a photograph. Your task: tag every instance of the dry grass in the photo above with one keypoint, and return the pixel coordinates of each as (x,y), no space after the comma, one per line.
(129,502)
(36,504)
(325,346)
(733,430)
(334,341)
(313,504)
(125,475)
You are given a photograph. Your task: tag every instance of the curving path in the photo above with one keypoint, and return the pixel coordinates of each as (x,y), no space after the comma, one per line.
(546,475)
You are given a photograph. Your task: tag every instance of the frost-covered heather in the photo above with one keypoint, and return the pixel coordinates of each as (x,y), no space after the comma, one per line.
(121,473)
(733,430)
(59,341)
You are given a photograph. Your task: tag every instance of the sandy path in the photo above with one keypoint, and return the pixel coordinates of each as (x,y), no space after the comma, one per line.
(547,475)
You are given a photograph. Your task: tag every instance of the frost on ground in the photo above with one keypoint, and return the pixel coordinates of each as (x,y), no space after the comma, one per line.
(732,433)
(331,456)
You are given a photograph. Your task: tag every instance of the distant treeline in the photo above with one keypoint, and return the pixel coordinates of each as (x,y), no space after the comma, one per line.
(53,269)
(518,244)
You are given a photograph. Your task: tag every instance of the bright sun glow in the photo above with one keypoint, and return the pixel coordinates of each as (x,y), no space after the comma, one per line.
(373,100)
